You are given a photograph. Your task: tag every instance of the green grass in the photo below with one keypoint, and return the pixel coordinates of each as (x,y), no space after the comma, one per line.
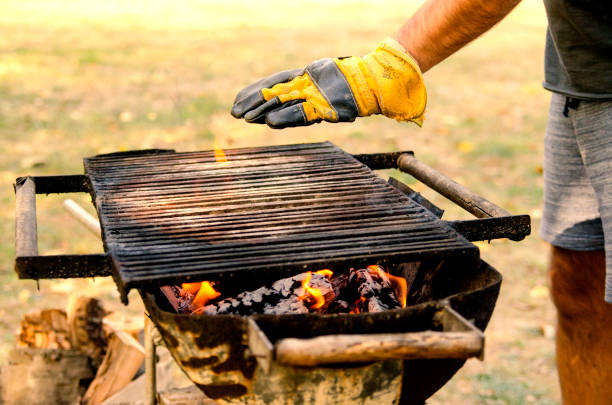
(494,389)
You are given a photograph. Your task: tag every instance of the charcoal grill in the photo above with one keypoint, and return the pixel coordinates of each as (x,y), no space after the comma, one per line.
(246,217)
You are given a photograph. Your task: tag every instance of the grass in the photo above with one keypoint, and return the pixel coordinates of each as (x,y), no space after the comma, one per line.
(502,390)
(78,78)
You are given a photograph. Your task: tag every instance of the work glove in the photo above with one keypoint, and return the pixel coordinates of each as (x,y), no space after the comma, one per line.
(387,81)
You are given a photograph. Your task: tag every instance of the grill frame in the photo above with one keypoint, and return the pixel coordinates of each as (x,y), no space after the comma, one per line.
(334,212)
(30,265)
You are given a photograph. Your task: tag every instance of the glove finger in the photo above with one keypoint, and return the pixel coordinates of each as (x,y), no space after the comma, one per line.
(258,115)
(291,116)
(251,96)
(262,118)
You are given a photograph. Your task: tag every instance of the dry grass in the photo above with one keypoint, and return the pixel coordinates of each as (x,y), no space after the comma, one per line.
(79,78)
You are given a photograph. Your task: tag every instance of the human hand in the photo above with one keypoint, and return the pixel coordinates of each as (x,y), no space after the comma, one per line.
(386,81)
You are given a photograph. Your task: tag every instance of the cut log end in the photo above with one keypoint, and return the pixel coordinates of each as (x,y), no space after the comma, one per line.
(46,329)
(123,359)
(85,322)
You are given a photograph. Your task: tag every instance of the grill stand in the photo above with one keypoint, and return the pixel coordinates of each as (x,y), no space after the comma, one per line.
(29,264)
(152,339)
(466,342)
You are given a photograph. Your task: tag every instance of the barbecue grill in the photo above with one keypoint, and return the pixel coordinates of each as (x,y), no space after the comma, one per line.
(246,217)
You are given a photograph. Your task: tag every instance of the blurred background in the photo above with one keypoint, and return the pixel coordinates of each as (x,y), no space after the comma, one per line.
(79,78)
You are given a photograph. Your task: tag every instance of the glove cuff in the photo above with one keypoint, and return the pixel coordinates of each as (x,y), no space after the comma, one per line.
(400,88)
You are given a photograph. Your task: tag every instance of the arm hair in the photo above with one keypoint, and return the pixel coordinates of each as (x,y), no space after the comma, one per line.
(439,28)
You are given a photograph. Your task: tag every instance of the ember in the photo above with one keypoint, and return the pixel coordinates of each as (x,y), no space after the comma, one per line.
(400,287)
(363,290)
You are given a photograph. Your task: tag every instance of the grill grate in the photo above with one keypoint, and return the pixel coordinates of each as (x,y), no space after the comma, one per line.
(173,217)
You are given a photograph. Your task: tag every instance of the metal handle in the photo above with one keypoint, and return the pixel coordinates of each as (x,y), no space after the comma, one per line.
(365,348)
(26,234)
(471,202)
(28,264)
(459,339)
(493,222)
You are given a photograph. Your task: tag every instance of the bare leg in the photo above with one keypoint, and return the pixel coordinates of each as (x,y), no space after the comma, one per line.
(584,326)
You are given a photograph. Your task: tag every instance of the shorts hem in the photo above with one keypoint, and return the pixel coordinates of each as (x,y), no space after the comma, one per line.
(578,242)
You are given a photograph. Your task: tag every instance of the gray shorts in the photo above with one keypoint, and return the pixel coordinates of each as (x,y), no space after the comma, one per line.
(577,210)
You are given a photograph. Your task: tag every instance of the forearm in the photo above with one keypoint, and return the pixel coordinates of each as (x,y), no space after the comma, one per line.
(441,27)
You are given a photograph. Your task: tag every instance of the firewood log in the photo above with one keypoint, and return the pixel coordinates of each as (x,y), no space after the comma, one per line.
(47,329)
(85,315)
(123,358)
(44,376)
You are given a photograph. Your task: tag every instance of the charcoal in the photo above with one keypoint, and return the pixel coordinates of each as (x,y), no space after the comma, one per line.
(282,297)
(338,307)
(371,292)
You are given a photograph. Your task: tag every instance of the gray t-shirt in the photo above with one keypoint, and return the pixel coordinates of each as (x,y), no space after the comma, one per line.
(578,57)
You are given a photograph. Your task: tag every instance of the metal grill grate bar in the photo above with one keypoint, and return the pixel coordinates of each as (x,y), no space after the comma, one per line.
(172,217)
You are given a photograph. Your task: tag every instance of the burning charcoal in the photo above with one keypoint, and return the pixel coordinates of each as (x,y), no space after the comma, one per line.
(285,296)
(339,283)
(191,297)
(372,291)
(184,298)
(338,304)
(338,307)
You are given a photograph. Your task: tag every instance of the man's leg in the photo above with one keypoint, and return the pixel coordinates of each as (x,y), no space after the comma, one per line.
(577,215)
(584,326)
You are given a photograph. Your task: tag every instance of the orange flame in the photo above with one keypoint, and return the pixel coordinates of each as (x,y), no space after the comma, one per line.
(327,273)
(311,292)
(220,156)
(191,288)
(356,306)
(400,287)
(205,294)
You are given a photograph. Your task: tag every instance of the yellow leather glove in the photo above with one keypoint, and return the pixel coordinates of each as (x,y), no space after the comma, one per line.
(387,81)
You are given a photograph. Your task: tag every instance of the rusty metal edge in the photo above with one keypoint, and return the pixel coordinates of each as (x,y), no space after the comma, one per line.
(514,227)
(381,161)
(452,321)
(70,183)
(416,197)
(125,284)
(63,266)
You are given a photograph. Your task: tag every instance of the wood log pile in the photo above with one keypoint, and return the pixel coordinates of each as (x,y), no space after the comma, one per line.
(69,357)
(47,329)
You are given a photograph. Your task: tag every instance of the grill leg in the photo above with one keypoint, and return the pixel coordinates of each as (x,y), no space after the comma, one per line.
(150,361)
